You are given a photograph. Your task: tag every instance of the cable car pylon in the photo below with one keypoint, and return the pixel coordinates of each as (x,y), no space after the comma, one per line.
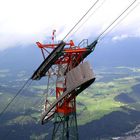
(72,75)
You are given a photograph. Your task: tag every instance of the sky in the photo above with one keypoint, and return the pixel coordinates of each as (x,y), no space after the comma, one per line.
(24,22)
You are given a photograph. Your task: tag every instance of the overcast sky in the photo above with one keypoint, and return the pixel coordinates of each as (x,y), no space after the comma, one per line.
(24,22)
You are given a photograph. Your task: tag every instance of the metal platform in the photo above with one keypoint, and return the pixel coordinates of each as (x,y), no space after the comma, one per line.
(53,57)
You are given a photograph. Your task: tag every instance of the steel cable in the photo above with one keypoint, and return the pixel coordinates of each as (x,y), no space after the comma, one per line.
(21,89)
(80,19)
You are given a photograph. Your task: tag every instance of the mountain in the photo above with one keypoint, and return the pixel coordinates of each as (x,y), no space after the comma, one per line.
(108,108)
(109,53)
(113,53)
(20,58)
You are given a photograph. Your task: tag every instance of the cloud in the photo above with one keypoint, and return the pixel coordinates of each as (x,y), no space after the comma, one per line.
(27,21)
(121,37)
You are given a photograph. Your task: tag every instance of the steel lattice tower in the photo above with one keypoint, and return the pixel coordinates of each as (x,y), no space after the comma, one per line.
(72,76)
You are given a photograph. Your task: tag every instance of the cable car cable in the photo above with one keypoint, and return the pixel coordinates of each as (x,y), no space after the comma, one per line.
(117,19)
(90,16)
(81,19)
(21,89)
(118,22)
